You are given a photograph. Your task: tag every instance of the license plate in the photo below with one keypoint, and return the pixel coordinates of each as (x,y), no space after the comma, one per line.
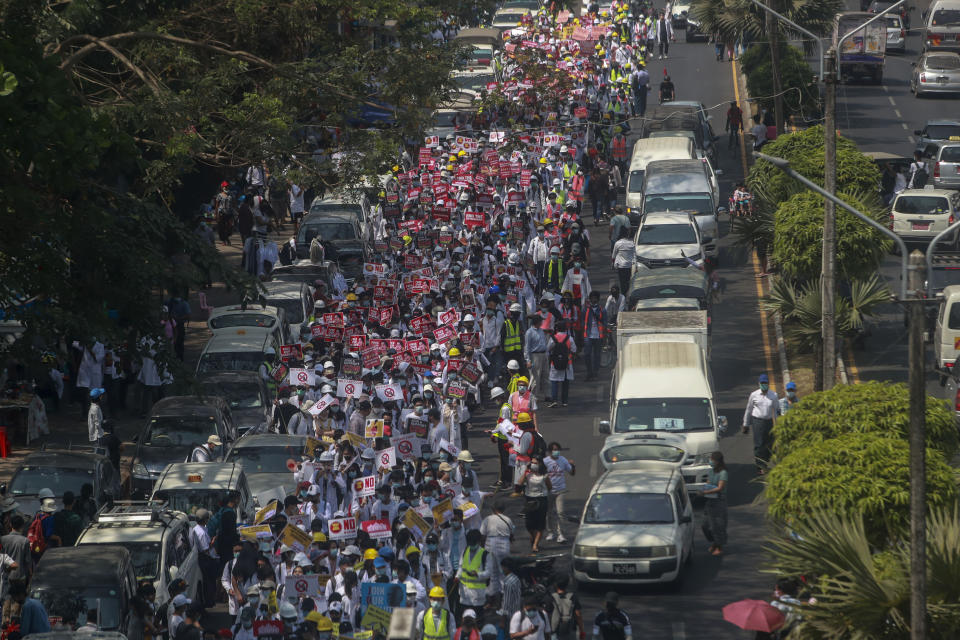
(920,226)
(942,80)
(624,569)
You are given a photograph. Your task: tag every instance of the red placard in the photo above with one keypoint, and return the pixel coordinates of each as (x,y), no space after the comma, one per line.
(357,342)
(396,344)
(377,529)
(416,347)
(422,324)
(316,331)
(470,339)
(382,293)
(451,316)
(370,358)
(333,319)
(411,262)
(474,218)
(454,364)
(380,345)
(386,313)
(291,352)
(444,334)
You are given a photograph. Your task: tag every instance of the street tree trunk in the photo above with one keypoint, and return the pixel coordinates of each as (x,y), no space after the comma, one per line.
(773,36)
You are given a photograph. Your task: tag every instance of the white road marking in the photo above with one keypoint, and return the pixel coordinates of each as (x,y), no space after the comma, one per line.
(594,466)
(912,139)
(679,630)
(885,88)
(904,125)
(897,111)
(890,98)
(596,426)
(601,392)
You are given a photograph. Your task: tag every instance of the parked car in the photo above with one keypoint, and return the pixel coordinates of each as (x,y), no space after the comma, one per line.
(252,316)
(935,131)
(158,541)
(69,581)
(918,215)
(936,73)
(944,161)
(667,239)
(896,34)
(175,427)
(264,458)
(245,393)
(353,203)
(636,527)
(341,237)
(62,470)
(239,350)
(188,486)
(295,299)
(694,32)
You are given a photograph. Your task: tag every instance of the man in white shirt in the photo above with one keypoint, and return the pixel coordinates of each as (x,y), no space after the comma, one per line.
(295,192)
(760,413)
(497,530)
(206,557)
(530,622)
(557,469)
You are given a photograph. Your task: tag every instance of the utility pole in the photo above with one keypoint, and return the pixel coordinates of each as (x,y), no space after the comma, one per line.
(828,270)
(773,38)
(918,450)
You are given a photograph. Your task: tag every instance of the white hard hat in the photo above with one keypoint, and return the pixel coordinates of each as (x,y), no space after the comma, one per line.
(563,148)
(468,318)
(434,347)
(329,365)
(516,307)
(269,351)
(496,391)
(326,456)
(513,258)
(513,365)
(326,389)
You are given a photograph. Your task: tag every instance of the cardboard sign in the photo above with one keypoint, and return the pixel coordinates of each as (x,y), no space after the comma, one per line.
(313,447)
(431,141)
(305,585)
(470,372)
(449,447)
(316,330)
(387,458)
(256,532)
(389,392)
(349,388)
(295,538)
(342,528)
(376,618)
(415,522)
(416,347)
(443,512)
(301,520)
(377,529)
(456,389)
(365,486)
(385,595)
(370,358)
(333,320)
(267,628)
(444,334)
(351,366)
(291,352)
(418,428)
(474,218)
(407,446)
(449,317)
(322,405)
(373,428)
(421,324)
(267,512)
(471,339)
(279,372)
(300,377)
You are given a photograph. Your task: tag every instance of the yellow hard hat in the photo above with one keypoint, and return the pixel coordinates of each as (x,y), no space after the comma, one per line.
(627,66)
(461,153)
(523,379)
(547,221)
(543,161)
(453,352)
(524,417)
(449,167)
(412,549)
(370,554)
(598,47)
(395,168)
(323,622)
(407,239)
(319,536)
(438,592)
(351,297)
(601,52)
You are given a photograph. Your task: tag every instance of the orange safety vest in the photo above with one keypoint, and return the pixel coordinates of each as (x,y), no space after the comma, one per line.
(572,317)
(519,404)
(619,148)
(601,329)
(547,324)
(575,192)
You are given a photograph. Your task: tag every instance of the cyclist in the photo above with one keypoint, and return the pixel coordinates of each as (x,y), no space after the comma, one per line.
(734,125)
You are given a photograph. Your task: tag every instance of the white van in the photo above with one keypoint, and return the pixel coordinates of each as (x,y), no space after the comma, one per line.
(188,486)
(942,26)
(947,333)
(644,152)
(241,349)
(662,383)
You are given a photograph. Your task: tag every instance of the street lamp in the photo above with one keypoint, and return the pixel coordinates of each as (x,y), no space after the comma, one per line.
(910,294)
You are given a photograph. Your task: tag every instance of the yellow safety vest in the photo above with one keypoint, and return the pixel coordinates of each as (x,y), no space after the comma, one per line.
(512,340)
(559,271)
(430,629)
(497,434)
(474,564)
(570,170)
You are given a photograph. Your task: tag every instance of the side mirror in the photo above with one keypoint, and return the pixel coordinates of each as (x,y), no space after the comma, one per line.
(917,132)
(604,427)
(721,210)
(723,424)
(686,519)
(718,172)
(706,239)
(172,572)
(136,437)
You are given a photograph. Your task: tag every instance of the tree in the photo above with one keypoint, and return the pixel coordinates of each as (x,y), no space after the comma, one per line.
(734,20)
(855,473)
(870,407)
(863,591)
(799,91)
(798,234)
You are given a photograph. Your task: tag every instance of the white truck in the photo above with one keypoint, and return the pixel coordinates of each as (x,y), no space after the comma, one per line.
(862,54)
(662,383)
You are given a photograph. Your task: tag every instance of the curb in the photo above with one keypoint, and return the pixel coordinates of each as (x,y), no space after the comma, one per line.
(777,320)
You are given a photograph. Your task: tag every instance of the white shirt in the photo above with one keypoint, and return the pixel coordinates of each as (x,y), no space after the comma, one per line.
(95,422)
(761,405)
(624,253)
(521,622)
(296,199)
(557,470)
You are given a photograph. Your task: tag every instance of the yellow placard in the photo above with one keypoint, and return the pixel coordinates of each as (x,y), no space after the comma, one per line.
(362,635)
(255,531)
(442,512)
(376,618)
(310,447)
(373,428)
(415,522)
(295,538)
(267,512)
(355,439)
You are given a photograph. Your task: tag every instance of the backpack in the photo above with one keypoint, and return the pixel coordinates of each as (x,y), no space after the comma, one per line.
(560,356)
(920,176)
(538,446)
(561,618)
(36,535)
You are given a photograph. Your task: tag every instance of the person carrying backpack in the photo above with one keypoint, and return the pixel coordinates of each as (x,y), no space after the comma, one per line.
(562,347)
(40,533)
(566,617)
(918,172)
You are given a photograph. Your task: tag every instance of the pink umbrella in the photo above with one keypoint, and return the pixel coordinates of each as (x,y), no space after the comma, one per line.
(753,615)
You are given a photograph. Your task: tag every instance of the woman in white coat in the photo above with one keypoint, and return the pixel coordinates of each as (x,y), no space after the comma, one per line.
(562,347)
(90,372)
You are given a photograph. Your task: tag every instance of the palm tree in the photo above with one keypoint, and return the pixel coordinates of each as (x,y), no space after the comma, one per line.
(734,19)
(864,592)
(800,308)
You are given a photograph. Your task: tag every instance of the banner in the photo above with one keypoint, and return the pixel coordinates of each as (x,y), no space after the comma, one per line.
(407,446)
(389,392)
(349,388)
(342,528)
(377,529)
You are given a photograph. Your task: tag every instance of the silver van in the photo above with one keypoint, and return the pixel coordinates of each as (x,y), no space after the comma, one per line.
(296,300)
(685,186)
(942,26)
(645,151)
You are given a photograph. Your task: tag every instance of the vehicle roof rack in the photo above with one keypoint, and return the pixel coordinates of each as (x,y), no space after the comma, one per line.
(78,448)
(133,511)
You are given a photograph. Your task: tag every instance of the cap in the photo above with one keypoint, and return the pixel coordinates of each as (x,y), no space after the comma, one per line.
(96,393)
(791,386)
(464,456)
(379,562)
(763,378)
(181,600)
(214,440)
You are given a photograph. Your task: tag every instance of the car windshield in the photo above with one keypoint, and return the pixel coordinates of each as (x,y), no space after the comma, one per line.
(628,508)
(189,500)
(480,55)
(73,603)
(950,154)
(265,459)
(643,451)
(242,361)
(338,207)
(943,131)
(327,231)
(292,308)
(943,63)
(698,203)
(927,205)
(635,183)
(145,557)
(893,22)
(29,480)
(179,431)
(521,4)
(946,18)
(667,234)
(663,414)
(239,395)
(474,81)
(243,319)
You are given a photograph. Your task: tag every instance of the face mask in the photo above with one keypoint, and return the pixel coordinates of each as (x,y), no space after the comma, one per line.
(323,636)
(534,467)
(576,264)
(303,494)
(792,395)
(418,411)
(437,605)
(415,502)
(351,474)
(466,466)
(248,625)
(236,554)
(555,453)
(489,313)
(402,383)
(428,395)
(531,613)
(254,599)
(449,400)
(522,388)
(456,525)
(764,386)
(384,499)
(382,571)
(334,552)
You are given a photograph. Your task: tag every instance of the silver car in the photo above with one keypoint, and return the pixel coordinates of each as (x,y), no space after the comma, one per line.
(896,35)
(936,73)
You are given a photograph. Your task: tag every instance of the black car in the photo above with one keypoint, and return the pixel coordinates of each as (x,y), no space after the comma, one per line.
(175,427)
(246,394)
(63,470)
(341,237)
